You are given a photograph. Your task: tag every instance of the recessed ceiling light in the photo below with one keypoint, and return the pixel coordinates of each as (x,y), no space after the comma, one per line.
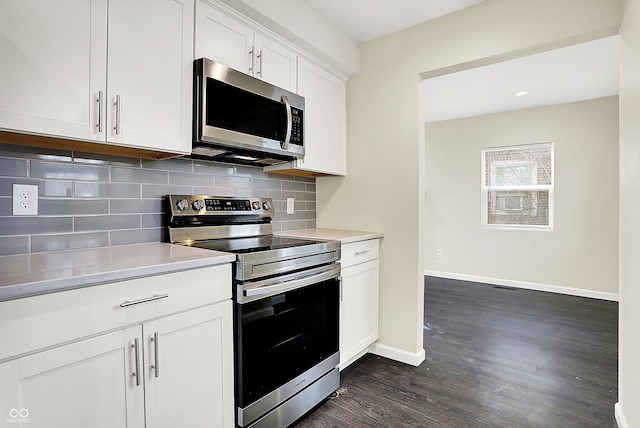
(521,93)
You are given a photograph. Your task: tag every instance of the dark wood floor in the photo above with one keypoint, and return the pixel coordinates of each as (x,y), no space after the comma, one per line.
(494,358)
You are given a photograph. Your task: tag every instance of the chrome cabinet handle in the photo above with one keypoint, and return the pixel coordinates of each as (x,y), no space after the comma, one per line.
(118,108)
(156,365)
(143,300)
(136,349)
(260,63)
(363,252)
(287,137)
(99,101)
(340,280)
(251,55)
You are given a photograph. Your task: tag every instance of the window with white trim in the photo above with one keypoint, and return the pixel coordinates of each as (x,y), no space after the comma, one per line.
(517,187)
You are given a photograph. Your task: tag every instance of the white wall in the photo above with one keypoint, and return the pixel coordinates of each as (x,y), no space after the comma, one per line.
(580,255)
(628,410)
(384,189)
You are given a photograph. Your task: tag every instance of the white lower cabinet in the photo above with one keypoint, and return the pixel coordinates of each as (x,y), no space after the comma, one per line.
(359,299)
(162,368)
(187,377)
(84,384)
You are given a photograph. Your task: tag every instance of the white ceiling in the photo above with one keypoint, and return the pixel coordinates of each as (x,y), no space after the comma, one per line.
(575,73)
(365,20)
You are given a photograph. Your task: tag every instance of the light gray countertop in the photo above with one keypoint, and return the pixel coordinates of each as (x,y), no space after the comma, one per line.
(39,273)
(344,236)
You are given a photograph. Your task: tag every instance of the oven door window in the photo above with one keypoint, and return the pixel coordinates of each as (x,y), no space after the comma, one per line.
(282,336)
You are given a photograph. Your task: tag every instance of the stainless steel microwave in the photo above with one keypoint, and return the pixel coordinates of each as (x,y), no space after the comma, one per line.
(241,119)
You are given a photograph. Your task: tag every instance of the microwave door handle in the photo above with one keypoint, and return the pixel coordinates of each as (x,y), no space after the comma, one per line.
(287,137)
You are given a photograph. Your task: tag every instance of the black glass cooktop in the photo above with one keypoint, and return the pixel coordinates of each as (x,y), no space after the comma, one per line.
(253,244)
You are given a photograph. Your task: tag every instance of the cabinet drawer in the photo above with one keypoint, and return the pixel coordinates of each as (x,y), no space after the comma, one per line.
(37,322)
(359,252)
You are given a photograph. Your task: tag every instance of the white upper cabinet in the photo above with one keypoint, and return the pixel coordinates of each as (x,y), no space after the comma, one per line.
(275,63)
(150,72)
(324,110)
(53,65)
(55,79)
(222,38)
(324,123)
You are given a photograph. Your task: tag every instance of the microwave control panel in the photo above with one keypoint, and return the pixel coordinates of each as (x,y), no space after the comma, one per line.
(296,126)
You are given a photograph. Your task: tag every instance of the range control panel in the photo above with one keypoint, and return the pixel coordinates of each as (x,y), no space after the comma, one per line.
(214,205)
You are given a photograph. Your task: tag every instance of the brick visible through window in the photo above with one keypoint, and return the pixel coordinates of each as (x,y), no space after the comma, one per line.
(517,186)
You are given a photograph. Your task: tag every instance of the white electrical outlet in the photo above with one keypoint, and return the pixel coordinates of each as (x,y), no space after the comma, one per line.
(290,206)
(25,199)
(439,253)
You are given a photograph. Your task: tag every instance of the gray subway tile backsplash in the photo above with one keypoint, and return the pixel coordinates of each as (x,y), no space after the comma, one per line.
(190,179)
(120,206)
(294,185)
(68,171)
(231,181)
(136,236)
(139,175)
(61,207)
(89,200)
(14,167)
(107,222)
(14,245)
(68,241)
(106,190)
(34,225)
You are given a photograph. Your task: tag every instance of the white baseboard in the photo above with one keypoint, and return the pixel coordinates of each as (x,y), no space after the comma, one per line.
(622,422)
(397,354)
(615,297)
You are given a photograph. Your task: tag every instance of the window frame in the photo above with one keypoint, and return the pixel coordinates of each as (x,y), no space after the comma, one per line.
(485,189)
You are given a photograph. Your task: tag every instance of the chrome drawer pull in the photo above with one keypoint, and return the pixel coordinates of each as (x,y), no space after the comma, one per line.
(99,101)
(156,366)
(363,252)
(144,300)
(118,108)
(136,349)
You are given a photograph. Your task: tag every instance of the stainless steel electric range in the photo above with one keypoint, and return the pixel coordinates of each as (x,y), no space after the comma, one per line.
(286,294)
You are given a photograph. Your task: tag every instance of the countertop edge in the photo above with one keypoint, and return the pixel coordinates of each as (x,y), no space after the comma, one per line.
(342,235)
(66,283)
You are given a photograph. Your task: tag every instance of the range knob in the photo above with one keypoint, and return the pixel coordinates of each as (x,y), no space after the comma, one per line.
(255,205)
(182,204)
(266,206)
(198,204)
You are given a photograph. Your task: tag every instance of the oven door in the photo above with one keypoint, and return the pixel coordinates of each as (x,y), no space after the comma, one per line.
(286,338)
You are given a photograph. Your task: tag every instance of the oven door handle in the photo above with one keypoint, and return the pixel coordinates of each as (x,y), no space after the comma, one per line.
(287,283)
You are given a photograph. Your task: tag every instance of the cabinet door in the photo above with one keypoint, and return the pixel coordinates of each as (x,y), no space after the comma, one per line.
(324,120)
(189,368)
(275,63)
(53,66)
(358,310)
(150,74)
(84,384)
(221,38)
